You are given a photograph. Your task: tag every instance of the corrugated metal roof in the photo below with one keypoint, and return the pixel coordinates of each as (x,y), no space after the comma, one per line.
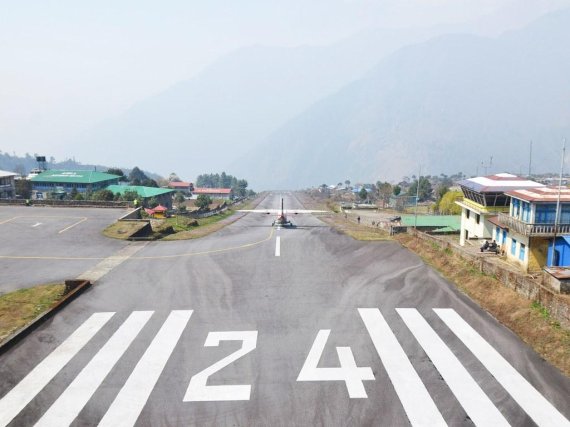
(498,183)
(4,174)
(142,191)
(74,177)
(212,190)
(440,221)
(543,194)
(179,184)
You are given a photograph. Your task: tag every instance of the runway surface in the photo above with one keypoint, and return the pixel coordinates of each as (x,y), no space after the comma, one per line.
(256,326)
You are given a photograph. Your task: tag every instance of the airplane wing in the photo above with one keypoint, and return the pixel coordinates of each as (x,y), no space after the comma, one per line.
(263,211)
(278,211)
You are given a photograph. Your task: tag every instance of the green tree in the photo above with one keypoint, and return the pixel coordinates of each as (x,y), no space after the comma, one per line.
(203,201)
(23,188)
(396,190)
(149,183)
(447,205)
(136,176)
(73,193)
(119,172)
(425,190)
(363,194)
(173,177)
(153,203)
(179,198)
(129,196)
(440,192)
(103,195)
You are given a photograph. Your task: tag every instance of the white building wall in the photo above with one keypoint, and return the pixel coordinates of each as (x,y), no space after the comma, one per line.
(474,227)
(517,240)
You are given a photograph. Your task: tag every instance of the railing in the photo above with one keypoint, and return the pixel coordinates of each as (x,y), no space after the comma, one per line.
(529,229)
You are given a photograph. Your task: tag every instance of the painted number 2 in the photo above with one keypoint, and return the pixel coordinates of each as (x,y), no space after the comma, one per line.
(348,372)
(198,391)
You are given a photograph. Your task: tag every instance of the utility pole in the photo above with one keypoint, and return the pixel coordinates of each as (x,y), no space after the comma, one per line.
(557,217)
(530,159)
(417,198)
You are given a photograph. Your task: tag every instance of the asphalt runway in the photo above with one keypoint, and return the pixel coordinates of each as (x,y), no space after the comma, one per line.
(256,326)
(47,245)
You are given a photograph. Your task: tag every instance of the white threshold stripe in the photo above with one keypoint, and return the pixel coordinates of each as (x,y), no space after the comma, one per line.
(17,398)
(278,246)
(542,412)
(418,404)
(475,402)
(130,401)
(73,399)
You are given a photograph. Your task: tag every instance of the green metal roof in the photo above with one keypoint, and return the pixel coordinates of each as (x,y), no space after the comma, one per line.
(73,177)
(143,192)
(440,221)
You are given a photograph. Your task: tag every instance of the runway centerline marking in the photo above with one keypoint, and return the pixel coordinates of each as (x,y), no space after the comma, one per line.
(36,224)
(278,246)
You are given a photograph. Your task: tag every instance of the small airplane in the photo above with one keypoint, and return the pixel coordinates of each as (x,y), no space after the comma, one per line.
(282,219)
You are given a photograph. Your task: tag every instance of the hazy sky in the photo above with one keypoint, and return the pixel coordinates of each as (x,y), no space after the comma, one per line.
(66,65)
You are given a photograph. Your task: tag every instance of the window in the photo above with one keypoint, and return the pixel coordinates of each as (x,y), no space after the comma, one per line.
(477,218)
(513,247)
(525,211)
(522,251)
(467,213)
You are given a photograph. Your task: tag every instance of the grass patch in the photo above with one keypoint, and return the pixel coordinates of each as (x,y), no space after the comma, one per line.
(529,320)
(357,232)
(19,308)
(123,229)
(204,226)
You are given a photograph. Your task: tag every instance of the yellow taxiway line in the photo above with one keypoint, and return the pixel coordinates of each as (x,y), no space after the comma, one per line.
(188,254)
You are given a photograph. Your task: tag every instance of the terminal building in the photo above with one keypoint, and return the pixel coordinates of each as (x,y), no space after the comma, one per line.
(53,184)
(7,185)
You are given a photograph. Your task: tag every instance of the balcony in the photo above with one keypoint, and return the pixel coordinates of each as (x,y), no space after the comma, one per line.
(531,230)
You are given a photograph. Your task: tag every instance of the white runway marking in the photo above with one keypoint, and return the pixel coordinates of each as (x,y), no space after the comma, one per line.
(278,246)
(418,404)
(475,402)
(36,380)
(199,391)
(74,398)
(349,372)
(36,224)
(532,402)
(72,225)
(131,399)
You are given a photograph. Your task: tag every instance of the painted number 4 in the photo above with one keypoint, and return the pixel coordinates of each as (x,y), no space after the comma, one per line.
(348,372)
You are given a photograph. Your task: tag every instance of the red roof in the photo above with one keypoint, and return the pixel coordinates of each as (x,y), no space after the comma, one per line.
(212,190)
(542,194)
(160,208)
(175,184)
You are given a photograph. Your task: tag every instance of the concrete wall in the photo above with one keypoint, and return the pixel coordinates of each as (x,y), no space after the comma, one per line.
(534,289)
(67,203)
(537,254)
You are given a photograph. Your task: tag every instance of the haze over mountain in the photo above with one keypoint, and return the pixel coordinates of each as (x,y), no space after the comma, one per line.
(447,104)
(212,119)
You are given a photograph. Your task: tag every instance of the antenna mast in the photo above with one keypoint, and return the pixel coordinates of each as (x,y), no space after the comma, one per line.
(557,217)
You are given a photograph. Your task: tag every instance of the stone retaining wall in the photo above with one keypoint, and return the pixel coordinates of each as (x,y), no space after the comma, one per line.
(532,288)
